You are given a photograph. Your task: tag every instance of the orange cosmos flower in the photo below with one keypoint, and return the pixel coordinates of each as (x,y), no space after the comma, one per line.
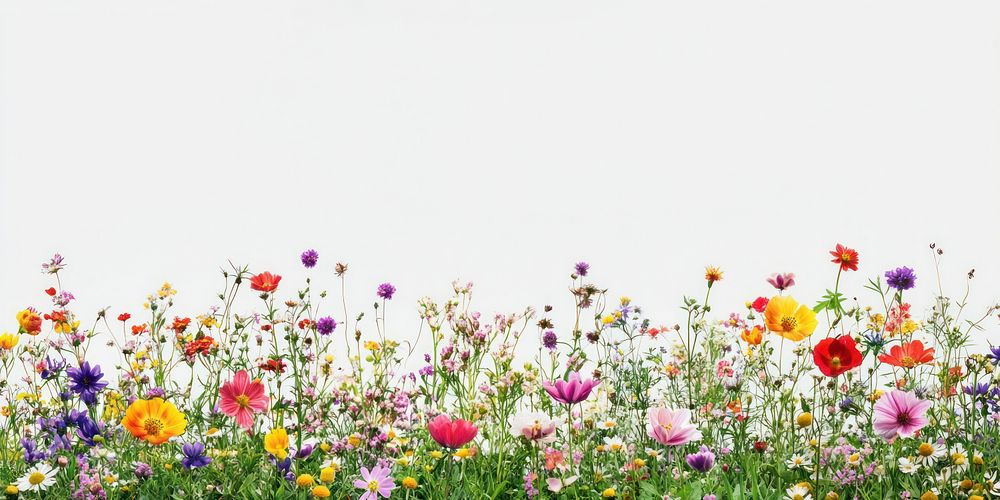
(753,336)
(908,355)
(265,282)
(789,319)
(154,420)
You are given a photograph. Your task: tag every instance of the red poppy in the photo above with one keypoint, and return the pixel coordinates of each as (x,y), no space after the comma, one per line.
(846,257)
(908,355)
(51,291)
(265,282)
(760,304)
(124,316)
(836,355)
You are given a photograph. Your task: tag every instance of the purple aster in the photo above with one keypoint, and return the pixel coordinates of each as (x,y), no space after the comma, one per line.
(194,456)
(549,339)
(309,258)
(143,470)
(86,381)
(703,460)
(386,290)
(581,268)
(901,278)
(326,325)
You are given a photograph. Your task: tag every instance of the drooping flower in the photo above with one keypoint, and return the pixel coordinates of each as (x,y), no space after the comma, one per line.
(572,390)
(836,355)
(86,382)
(536,427)
(899,413)
(30,321)
(789,319)
(242,398)
(326,325)
(702,461)
(265,282)
(672,427)
(154,420)
(377,481)
(847,258)
(276,443)
(782,281)
(901,278)
(908,355)
(450,433)
(309,258)
(386,291)
(194,456)
(37,478)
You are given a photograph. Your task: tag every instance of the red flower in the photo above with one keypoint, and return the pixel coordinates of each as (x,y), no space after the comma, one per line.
(137,329)
(451,433)
(836,355)
(273,365)
(51,291)
(180,324)
(304,323)
(124,316)
(265,282)
(760,304)
(909,355)
(203,346)
(846,257)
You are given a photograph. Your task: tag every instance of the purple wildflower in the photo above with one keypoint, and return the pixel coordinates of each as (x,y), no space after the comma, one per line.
(194,456)
(703,460)
(386,290)
(549,340)
(326,326)
(901,278)
(782,281)
(86,381)
(143,470)
(581,268)
(309,258)
(54,265)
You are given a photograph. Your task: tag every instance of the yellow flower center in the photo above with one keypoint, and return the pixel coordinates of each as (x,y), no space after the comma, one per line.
(152,426)
(373,485)
(788,323)
(797,497)
(908,362)
(243,400)
(36,478)
(835,362)
(925,449)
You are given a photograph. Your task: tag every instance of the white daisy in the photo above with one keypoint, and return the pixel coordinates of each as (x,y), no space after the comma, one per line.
(799,461)
(614,443)
(906,466)
(798,492)
(928,453)
(37,478)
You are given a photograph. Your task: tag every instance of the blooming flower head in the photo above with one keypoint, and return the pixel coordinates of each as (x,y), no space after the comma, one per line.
(713,274)
(581,268)
(276,443)
(759,304)
(836,355)
(899,413)
(8,341)
(753,336)
(377,481)
(549,340)
(265,282)
(908,355)
(386,291)
(326,325)
(702,461)
(29,321)
(847,258)
(450,433)
(782,281)
(672,427)
(572,390)
(789,319)
(309,258)
(242,398)
(194,456)
(901,278)
(86,381)
(536,427)
(154,420)
(54,265)
(37,478)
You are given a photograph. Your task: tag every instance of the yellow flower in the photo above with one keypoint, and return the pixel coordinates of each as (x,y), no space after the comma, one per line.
(8,341)
(804,419)
(608,319)
(354,440)
(321,492)
(410,483)
(609,493)
(154,420)
(437,454)
(789,319)
(713,274)
(929,495)
(276,443)
(371,345)
(327,474)
(304,480)
(11,490)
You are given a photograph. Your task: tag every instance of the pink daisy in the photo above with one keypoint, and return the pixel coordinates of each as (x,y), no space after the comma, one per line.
(900,413)
(242,398)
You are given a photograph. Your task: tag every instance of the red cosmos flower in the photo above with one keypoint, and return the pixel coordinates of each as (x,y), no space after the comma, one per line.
(51,291)
(760,304)
(180,324)
(265,282)
(273,365)
(124,317)
(908,355)
(836,355)
(846,257)
(451,433)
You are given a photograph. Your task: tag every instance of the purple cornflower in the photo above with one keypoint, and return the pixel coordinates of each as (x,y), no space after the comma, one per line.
(194,456)
(581,268)
(386,290)
(702,461)
(326,326)
(901,278)
(142,470)
(549,340)
(309,258)
(782,281)
(86,381)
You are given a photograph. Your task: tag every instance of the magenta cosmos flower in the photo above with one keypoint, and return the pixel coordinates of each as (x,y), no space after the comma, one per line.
(451,433)
(375,482)
(242,398)
(899,413)
(572,390)
(672,427)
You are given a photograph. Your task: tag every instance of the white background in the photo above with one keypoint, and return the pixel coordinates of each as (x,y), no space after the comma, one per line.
(496,142)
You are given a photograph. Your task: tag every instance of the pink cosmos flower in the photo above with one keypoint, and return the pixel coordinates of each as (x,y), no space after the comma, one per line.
(570,391)
(241,398)
(451,433)
(376,482)
(535,426)
(672,427)
(782,281)
(899,413)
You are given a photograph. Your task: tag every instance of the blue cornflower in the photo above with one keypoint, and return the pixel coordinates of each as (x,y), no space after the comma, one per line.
(326,326)
(581,268)
(901,278)
(194,456)
(86,381)
(386,291)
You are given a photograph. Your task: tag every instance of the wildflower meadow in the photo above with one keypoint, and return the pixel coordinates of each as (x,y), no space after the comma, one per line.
(854,394)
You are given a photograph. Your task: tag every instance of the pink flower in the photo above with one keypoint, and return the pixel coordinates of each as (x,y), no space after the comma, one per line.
(672,427)
(782,281)
(572,390)
(241,398)
(534,426)
(900,413)
(376,482)
(451,433)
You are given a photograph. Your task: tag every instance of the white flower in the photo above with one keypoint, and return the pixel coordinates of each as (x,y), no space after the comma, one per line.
(607,424)
(556,484)
(798,492)
(533,426)
(854,459)
(333,462)
(614,443)
(37,478)
(798,461)
(928,453)
(906,466)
